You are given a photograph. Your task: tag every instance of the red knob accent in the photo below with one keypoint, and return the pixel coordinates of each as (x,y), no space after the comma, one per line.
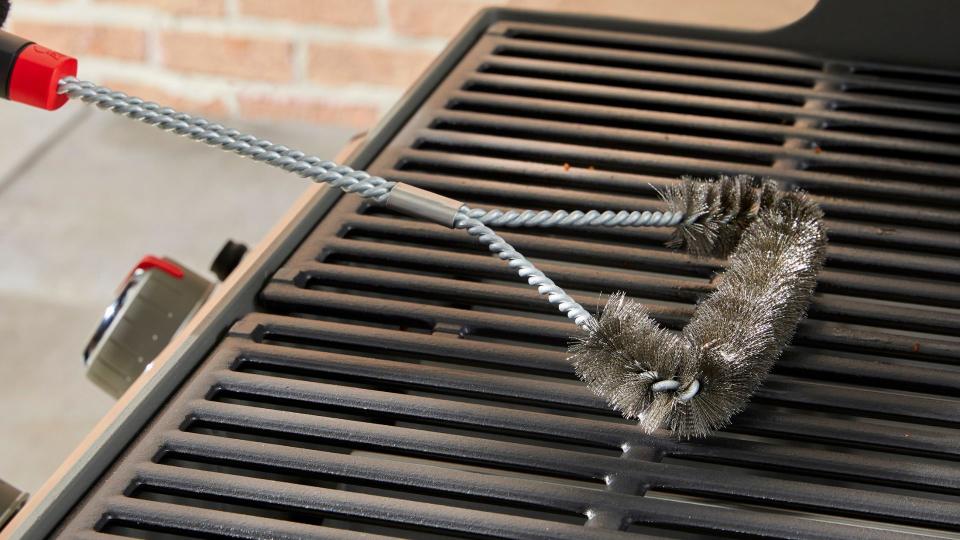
(149,262)
(37,74)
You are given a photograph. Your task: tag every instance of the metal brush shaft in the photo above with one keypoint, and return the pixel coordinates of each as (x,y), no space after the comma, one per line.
(526,269)
(563,218)
(231,140)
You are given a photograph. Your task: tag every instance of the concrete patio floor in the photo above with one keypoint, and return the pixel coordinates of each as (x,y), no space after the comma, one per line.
(83,196)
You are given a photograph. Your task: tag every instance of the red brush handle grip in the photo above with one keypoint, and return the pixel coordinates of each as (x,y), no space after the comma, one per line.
(30,73)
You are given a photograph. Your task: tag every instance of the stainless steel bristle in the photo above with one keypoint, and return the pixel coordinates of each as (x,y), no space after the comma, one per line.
(695,381)
(716,211)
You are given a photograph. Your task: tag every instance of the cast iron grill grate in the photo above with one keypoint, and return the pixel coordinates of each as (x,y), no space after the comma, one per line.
(400,382)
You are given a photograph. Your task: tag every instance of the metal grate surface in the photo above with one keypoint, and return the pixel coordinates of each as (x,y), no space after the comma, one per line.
(400,382)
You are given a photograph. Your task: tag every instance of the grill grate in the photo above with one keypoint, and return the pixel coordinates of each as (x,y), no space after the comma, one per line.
(399,382)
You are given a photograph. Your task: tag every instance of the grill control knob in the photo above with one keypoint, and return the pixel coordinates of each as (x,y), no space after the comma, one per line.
(228,259)
(154,301)
(11,500)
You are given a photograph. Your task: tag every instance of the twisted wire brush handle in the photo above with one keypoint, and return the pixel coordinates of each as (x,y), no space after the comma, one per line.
(231,140)
(691,383)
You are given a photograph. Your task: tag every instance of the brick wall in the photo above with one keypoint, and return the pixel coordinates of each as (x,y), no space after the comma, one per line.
(323,61)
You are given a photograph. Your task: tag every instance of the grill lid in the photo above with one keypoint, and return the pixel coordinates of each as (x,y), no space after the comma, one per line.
(396,381)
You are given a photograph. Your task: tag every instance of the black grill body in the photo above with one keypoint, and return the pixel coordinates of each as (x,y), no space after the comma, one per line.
(394,380)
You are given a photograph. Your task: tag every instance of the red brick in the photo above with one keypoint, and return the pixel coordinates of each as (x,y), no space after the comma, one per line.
(213,107)
(433,18)
(352,13)
(261,59)
(309,111)
(357,63)
(209,8)
(85,40)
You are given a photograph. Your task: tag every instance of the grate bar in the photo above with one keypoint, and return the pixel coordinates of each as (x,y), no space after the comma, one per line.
(436,345)
(470,144)
(518,62)
(559,393)
(799,424)
(888,372)
(856,466)
(842,397)
(216,524)
(286,297)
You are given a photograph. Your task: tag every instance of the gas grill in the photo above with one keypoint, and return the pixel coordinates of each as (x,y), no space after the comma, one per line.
(367,375)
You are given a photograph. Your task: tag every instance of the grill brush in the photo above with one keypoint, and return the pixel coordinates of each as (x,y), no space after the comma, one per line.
(690,382)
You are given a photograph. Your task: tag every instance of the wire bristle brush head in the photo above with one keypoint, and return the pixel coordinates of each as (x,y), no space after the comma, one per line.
(716,212)
(693,382)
